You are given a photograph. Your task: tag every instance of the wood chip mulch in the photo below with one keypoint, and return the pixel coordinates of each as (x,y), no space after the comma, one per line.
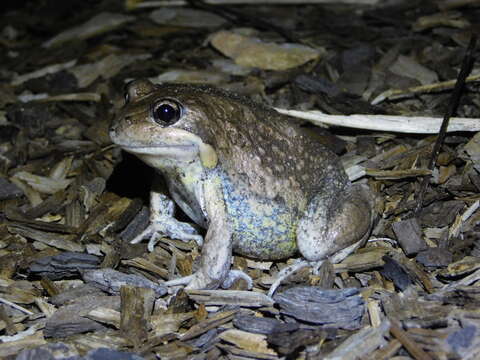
(71,284)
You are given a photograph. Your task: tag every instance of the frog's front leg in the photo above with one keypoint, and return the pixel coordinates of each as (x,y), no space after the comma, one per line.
(216,255)
(335,226)
(162,223)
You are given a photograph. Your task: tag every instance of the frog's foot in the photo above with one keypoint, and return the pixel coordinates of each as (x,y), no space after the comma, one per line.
(199,280)
(169,227)
(315,265)
(233,275)
(184,280)
(287,271)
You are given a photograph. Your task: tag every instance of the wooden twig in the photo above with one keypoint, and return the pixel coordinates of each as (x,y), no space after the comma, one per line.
(400,124)
(411,346)
(422,89)
(467,64)
(453,4)
(15,306)
(454,230)
(134,4)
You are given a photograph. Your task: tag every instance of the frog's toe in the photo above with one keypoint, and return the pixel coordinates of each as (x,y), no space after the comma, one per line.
(200,281)
(172,228)
(168,228)
(195,237)
(149,232)
(289,270)
(154,239)
(233,275)
(185,280)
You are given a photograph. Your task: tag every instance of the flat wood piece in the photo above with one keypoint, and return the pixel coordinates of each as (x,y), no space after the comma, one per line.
(409,236)
(333,308)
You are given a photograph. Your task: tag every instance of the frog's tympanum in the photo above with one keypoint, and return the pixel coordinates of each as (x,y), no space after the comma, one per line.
(261,185)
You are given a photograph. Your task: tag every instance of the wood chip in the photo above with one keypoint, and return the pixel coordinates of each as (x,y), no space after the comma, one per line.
(409,236)
(210,323)
(227,297)
(361,343)
(137,305)
(335,308)
(111,281)
(413,348)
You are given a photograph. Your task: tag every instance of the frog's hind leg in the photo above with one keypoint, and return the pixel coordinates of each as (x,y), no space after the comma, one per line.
(336,223)
(332,227)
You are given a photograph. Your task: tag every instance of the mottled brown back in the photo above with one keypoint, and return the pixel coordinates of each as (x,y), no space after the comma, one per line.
(259,147)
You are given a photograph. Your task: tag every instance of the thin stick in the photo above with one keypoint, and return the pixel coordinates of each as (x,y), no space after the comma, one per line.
(411,346)
(15,306)
(390,123)
(452,108)
(422,89)
(133,4)
(452,4)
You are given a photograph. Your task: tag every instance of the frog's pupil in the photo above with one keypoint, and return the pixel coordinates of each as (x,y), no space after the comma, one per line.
(167,113)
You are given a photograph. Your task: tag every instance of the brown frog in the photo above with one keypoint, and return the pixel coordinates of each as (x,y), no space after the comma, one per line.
(260,184)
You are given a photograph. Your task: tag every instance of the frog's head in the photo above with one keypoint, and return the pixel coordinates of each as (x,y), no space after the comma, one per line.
(162,122)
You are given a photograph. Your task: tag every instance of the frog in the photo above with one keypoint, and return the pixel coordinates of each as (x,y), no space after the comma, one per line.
(260,184)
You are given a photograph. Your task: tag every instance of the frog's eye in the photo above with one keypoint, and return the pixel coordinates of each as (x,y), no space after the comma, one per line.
(166,112)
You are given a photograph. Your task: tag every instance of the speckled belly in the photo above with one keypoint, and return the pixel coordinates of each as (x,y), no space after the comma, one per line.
(263,228)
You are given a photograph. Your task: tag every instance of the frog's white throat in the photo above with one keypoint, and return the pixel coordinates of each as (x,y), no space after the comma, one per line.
(184,170)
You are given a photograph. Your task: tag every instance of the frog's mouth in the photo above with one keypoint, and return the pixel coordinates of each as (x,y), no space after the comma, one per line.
(171,151)
(175,144)
(160,149)
(156,142)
